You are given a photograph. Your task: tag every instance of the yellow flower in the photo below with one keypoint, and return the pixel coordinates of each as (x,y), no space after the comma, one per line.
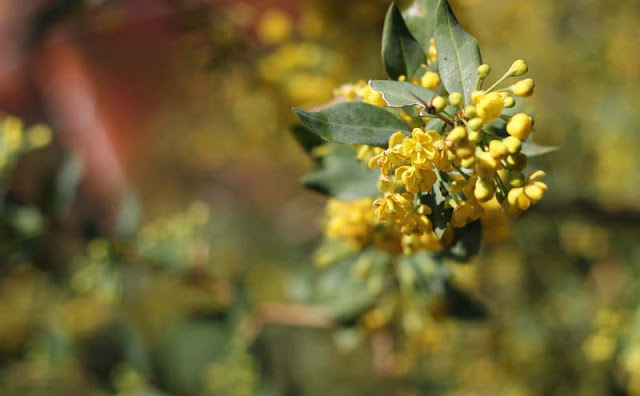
(489,106)
(352,221)
(420,242)
(393,207)
(465,213)
(430,80)
(419,147)
(416,223)
(532,192)
(519,126)
(523,88)
(416,179)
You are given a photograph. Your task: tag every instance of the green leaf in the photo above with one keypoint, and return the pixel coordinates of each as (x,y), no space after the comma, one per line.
(458,53)
(401,93)
(440,214)
(342,176)
(466,243)
(420,19)
(401,53)
(531,149)
(305,138)
(435,124)
(353,123)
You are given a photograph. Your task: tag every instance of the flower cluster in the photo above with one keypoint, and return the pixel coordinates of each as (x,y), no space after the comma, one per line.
(475,163)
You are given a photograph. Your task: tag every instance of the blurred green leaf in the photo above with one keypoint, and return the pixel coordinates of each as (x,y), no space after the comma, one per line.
(129,215)
(531,149)
(420,20)
(67,182)
(305,138)
(353,123)
(401,53)
(458,53)
(401,93)
(342,176)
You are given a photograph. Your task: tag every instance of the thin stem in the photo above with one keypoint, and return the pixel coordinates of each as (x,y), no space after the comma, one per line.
(504,77)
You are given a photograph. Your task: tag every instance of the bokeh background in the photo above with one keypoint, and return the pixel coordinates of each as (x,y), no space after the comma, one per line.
(161,243)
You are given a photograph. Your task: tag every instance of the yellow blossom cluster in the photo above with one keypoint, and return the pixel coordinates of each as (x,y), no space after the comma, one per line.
(476,169)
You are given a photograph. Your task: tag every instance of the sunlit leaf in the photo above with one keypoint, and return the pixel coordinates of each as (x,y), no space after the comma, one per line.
(458,53)
(353,123)
(401,52)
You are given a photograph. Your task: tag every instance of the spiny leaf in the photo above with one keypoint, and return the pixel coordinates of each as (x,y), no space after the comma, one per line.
(353,123)
(401,53)
(458,53)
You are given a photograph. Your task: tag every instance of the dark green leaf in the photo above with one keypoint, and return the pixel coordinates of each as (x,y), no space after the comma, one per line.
(458,53)
(467,242)
(420,19)
(305,138)
(531,149)
(440,214)
(342,176)
(353,123)
(435,124)
(401,53)
(401,93)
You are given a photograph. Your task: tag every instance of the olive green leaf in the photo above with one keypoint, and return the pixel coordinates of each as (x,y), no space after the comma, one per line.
(353,123)
(458,53)
(401,53)
(420,19)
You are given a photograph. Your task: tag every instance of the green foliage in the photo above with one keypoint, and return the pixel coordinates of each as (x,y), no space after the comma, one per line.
(420,19)
(341,177)
(402,55)
(458,53)
(352,123)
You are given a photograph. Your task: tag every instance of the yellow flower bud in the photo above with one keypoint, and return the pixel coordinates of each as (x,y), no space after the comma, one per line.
(470,112)
(486,165)
(475,124)
(517,161)
(430,80)
(475,136)
(523,88)
(457,134)
(466,151)
(468,162)
(402,77)
(519,126)
(456,99)
(484,190)
(484,70)
(438,103)
(508,102)
(475,95)
(489,106)
(518,68)
(516,178)
(514,145)
(498,150)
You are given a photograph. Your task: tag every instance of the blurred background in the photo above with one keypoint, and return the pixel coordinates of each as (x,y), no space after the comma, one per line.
(158,241)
